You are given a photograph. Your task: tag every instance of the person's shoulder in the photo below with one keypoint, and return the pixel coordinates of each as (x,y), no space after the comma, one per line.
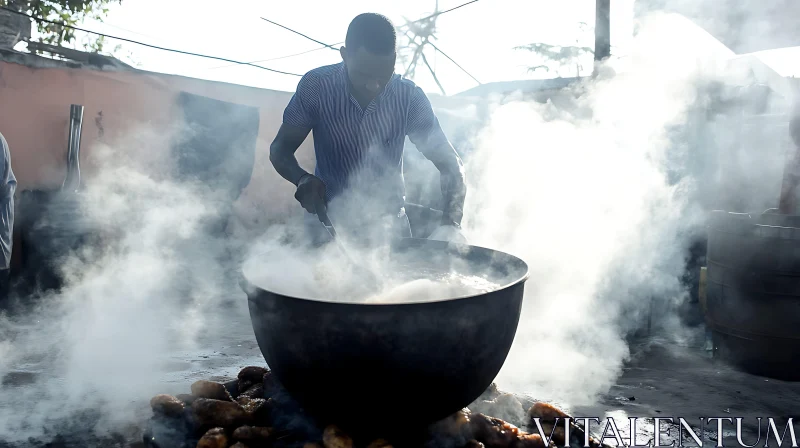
(405,85)
(407,88)
(323,73)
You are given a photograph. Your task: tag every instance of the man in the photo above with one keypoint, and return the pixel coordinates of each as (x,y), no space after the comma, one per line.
(8,185)
(361,112)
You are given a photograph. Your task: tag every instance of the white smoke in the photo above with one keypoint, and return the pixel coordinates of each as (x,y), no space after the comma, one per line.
(601,206)
(151,288)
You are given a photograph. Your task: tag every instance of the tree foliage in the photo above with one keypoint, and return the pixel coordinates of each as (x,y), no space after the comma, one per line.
(68,12)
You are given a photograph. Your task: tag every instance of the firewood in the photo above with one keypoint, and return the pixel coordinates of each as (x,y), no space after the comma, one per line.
(474,444)
(167,405)
(456,426)
(493,432)
(210,390)
(232,387)
(187,399)
(252,374)
(531,441)
(243,386)
(213,438)
(546,413)
(255,433)
(225,414)
(380,443)
(333,437)
(256,391)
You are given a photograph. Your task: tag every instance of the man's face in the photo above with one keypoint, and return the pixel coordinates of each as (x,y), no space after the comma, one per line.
(369,73)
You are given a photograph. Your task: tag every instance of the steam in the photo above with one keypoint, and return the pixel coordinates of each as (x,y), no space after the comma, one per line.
(602,208)
(151,288)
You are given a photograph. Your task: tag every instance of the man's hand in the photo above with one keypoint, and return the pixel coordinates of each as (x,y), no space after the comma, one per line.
(449,233)
(311,193)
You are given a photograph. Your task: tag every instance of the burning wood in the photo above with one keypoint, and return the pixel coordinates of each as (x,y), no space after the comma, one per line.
(333,437)
(254,411)
(254,433)
(214,438)
(380,443)
(252,374)
(255,391)
(167,405)
(493,432)
(531,441)
(552,421)
(211,390)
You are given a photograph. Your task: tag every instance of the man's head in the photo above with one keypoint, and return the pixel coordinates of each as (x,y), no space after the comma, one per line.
(369,53)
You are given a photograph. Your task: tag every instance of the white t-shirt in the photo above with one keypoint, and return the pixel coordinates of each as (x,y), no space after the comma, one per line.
(8,185)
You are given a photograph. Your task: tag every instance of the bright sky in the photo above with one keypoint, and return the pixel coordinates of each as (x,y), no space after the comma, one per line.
(480,36)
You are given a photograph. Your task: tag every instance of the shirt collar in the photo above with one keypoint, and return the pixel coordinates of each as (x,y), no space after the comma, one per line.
(346,82)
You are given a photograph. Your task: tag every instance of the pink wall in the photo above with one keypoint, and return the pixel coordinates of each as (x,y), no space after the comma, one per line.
(35,113)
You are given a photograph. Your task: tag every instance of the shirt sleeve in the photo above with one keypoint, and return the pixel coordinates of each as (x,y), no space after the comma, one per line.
(7,187)
(424,129)
(302,110)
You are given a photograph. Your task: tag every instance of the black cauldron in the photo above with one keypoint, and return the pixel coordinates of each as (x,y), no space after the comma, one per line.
(392,367)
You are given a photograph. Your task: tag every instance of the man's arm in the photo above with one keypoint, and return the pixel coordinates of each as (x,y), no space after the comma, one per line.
(453,181)
(299,118)
(426,133)
(8,186)
(282,152)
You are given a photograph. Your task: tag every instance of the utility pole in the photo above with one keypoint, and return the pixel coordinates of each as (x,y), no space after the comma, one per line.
(602,31)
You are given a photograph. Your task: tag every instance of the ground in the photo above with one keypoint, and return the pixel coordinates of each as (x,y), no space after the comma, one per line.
(661,380)
(669,381)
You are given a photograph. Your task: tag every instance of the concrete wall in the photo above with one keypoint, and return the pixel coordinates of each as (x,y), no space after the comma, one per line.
(133,112)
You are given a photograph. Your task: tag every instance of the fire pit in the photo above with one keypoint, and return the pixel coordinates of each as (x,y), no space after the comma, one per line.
(368,366)
(255,411)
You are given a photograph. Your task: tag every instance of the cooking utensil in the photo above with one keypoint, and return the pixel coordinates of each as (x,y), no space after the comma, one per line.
(368,277)
(392,367)
(326,222)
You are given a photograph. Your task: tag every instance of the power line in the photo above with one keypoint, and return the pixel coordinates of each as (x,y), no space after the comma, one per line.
(436,14)
(279,57)
(297,32)
(454,62)
(38,19)
(332,47)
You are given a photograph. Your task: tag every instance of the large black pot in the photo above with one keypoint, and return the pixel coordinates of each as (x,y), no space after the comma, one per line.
(392,367)
(753,291)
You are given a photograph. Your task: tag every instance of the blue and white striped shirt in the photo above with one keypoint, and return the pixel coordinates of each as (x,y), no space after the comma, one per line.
(8,185)
(351,142)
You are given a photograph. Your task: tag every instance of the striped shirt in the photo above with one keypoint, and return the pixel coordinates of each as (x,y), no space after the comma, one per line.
(8,185)
(352,144)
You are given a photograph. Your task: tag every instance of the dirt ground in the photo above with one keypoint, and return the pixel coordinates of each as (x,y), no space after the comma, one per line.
(669,381)
(661,380)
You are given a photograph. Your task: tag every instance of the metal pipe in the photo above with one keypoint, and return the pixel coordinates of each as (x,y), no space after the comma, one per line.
(72,181)
(602,30)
